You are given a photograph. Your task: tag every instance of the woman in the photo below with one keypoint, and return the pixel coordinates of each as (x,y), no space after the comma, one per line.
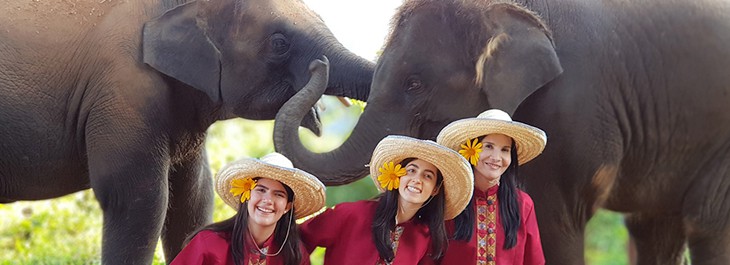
(269,194)
(423,184)
(499,225)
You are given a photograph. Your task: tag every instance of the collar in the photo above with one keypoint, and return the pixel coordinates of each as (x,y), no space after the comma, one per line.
(492,190)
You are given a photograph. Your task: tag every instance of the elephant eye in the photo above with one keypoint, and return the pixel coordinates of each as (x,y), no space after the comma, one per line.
(279,44)
(413,84)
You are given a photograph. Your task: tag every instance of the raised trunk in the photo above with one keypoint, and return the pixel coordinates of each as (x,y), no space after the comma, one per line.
(348,162)
(351,76)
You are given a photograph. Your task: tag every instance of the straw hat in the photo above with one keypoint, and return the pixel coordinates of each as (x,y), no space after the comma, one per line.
(309,192)
(458,180)
(530,140)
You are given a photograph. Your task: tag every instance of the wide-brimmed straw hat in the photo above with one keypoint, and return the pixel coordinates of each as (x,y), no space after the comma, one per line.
(458,179)
(530,141)
(309,192)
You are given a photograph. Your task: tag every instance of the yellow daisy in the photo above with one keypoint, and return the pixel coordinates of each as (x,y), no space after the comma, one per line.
(242,187)
(471,151)
(390,174)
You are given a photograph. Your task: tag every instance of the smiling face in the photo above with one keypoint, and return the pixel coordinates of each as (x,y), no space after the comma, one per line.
(493,160)
(267,204)
(418,184)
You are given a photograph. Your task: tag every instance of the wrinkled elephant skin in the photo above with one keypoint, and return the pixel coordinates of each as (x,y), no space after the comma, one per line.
(633,96)
(116,96)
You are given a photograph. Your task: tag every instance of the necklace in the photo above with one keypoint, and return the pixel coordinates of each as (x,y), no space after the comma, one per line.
(266,253)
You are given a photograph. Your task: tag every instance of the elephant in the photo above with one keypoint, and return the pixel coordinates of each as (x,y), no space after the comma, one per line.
(633,96)
(117,96)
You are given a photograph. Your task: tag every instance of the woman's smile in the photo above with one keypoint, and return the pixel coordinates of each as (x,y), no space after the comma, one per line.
(413,189)
(418,184)
(265,209)
(493,160)
(268,203)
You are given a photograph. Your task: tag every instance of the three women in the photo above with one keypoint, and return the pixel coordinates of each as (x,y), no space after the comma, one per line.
(423,184)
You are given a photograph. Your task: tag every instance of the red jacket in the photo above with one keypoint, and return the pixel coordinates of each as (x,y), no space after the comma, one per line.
(208,247)
(527,251)
(345,231)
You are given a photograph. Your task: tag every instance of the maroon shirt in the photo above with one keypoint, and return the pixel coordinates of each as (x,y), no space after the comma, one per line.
(346,232)
(208,247)
(528,249)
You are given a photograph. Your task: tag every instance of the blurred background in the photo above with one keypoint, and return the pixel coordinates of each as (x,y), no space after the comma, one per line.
(67,230)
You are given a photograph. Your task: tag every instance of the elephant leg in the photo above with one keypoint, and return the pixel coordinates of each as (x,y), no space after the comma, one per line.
(561,233)
(659,239)
(710,250)
(709,246)
(573,178)
(706,214)
(562,217)
(562,209)
(128,174)
(191,203)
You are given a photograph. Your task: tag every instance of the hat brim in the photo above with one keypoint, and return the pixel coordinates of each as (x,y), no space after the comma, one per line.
(458,179)
(530,141)
(309,192)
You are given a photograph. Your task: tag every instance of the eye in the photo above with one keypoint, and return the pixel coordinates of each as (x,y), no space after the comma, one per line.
(258,189)
(410,170)
(429,176)
(281,195)
(488,146)
(279,44)
(413,84)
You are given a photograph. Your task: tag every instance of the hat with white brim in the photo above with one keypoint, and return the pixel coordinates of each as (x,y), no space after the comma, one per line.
(309,192)
(458,179)
(530,141)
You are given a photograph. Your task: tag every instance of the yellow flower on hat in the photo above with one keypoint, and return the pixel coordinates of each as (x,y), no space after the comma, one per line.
(390,174)
(471,150)
(242,187)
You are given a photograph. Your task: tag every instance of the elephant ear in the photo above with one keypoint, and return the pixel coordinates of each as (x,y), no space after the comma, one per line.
(175,45)
(518,59)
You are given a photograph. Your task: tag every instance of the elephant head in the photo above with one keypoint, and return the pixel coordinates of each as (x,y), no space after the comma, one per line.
(442,62)
(250,56)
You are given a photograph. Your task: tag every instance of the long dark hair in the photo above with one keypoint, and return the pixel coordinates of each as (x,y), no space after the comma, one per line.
(235,229)
(509,207)
(431,214)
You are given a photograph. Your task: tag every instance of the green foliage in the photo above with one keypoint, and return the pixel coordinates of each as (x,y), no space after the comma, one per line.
(606,239)
(359,104)
(362,189)
(51,232)
(67,230)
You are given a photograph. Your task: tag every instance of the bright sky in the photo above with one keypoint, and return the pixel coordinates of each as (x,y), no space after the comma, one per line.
(360,25)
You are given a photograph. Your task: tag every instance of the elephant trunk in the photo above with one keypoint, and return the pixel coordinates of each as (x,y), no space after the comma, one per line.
(343,165)
(351,74)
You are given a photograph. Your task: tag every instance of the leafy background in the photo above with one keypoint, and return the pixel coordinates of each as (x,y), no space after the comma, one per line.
(67,230)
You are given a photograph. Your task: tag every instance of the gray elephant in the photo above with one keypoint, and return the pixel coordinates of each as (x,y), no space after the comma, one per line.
(116,96)
(633,96)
